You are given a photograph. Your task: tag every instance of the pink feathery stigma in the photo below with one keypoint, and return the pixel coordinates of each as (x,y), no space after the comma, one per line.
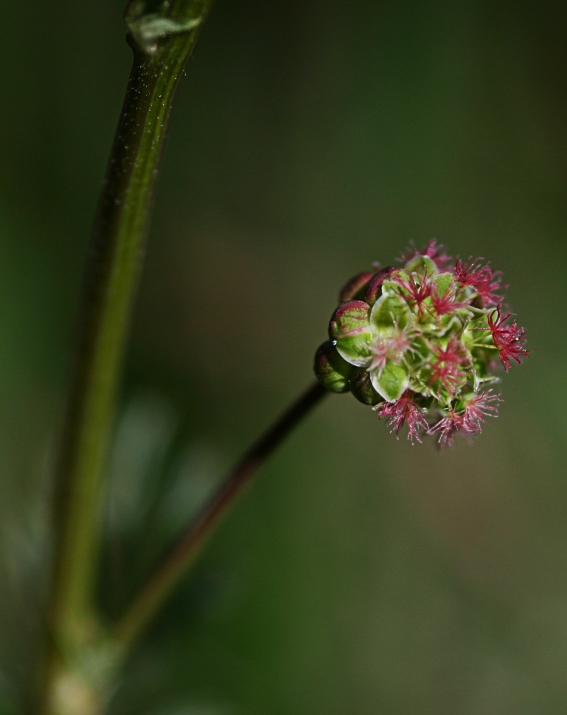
(468,420)
(448,427)
(432,250)
(447,302)
(403,411)
(392,347)
(481,405)
(509,339)
(400,342)
(437,254)
(381,351)
(447,368)
(480,278)
(418,291)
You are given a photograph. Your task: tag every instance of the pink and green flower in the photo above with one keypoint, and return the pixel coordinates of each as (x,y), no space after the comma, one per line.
(418,342)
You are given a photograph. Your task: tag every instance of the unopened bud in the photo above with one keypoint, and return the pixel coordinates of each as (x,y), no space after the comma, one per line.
(350,331)
(361,387)
(332,371)
(374,286)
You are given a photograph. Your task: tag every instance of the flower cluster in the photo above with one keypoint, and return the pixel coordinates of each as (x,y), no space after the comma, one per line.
(419,343)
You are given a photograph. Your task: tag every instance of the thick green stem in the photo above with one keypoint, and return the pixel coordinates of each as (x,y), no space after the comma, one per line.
(162,45)
(175,563)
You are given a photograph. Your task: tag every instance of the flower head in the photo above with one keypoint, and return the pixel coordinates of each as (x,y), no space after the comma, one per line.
(418,342)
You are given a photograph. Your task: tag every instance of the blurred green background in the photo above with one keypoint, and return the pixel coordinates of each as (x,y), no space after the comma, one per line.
(359,574)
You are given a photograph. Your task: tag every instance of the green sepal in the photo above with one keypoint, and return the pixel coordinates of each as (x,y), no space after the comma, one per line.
(482,360)
(392,383)
(443,281)
(418,353)
(332,371)
(355,349)
(361,387)
(349,318)
(422,265)
(390,286)
(477,332)
(390,312)
(449,323)
(416,384)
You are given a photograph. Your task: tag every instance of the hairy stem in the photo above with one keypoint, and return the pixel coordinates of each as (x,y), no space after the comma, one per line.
(180,556)
(162,44)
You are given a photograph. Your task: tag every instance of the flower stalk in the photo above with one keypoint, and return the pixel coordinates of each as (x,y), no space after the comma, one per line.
(175,563)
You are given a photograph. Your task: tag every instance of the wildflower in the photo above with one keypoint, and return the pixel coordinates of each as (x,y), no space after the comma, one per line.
(417,343)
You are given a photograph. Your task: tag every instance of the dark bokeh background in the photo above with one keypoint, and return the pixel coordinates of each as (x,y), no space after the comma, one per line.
(360,574)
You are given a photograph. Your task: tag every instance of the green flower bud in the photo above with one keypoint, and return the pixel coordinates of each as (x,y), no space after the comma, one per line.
(332,371)
(374,287)
(361,387)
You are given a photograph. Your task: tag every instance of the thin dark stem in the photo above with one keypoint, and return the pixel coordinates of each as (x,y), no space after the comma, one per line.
(183,551)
